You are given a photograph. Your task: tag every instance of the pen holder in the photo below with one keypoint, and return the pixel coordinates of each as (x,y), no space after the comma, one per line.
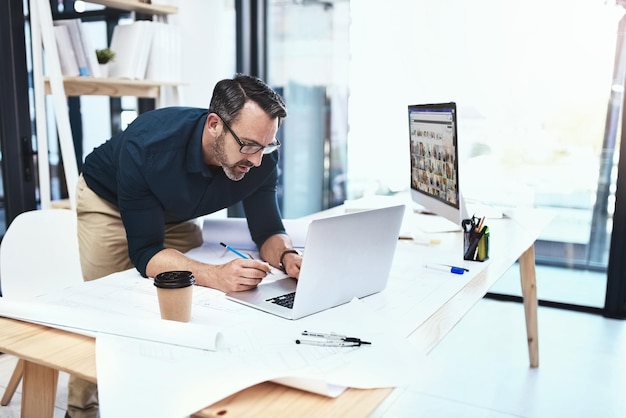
(475,243)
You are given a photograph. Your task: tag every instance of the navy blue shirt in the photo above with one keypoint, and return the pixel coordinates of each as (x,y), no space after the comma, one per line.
(155,174)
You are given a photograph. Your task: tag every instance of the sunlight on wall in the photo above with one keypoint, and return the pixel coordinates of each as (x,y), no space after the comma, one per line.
(531,79)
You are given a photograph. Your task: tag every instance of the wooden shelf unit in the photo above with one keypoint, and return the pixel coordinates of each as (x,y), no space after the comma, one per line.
(138,6)
(113,87)
(60,87)
(79,86)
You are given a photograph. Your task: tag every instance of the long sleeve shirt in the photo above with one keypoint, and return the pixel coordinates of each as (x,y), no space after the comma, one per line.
(155,174)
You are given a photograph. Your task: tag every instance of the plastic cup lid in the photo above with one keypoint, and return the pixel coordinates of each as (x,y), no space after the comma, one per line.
(174,279)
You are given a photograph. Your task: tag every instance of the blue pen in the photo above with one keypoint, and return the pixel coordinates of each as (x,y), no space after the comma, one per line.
(445,267)
(229,248)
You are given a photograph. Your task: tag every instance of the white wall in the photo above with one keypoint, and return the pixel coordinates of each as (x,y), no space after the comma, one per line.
(421,57)
(377,92)
(209,49)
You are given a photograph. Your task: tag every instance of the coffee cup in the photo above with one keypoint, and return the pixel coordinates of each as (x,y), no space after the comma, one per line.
(175,291)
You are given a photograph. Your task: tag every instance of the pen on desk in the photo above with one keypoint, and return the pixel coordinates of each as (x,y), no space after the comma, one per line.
(332,340)
(456,267)
(333,343)
(449,269)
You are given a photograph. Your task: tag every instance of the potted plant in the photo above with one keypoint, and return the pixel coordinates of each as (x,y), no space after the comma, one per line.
(104,56)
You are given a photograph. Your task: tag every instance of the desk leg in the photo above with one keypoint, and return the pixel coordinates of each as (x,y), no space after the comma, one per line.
(529,292)
(15,380)
(39,388)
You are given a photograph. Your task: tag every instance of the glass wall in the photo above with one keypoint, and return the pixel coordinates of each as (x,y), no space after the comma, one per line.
(537,97)
(308,56)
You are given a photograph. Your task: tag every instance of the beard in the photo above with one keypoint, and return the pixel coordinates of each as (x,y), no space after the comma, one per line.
(231,170)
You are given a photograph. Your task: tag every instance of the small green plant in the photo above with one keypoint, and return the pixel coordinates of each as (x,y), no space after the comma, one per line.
(105,55)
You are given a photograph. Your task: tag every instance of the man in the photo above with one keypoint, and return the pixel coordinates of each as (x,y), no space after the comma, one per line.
(140,191)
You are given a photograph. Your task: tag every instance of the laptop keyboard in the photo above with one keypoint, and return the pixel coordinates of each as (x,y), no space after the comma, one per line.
(285,300)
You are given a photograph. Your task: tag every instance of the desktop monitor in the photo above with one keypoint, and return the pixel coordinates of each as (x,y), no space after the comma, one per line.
(435,160)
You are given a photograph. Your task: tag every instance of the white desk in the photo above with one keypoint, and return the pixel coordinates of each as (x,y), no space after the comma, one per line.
(48,350)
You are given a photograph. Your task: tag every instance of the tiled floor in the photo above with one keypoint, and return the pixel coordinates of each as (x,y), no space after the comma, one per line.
(481,369)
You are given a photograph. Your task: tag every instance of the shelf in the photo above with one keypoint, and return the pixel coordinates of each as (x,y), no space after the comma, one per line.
(114,87)
(138,6)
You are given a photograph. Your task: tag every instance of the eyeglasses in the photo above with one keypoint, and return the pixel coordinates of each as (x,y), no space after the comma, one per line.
(251,148)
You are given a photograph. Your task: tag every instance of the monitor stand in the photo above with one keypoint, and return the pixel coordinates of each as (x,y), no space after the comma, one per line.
(431,223)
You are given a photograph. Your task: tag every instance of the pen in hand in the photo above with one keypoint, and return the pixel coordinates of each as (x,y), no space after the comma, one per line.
(231,249)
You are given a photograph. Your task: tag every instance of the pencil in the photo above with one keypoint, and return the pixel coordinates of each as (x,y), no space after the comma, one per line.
(480,224)
(231,249)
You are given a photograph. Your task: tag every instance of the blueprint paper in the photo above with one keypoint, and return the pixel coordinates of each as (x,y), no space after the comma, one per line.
(148,379)
(92,322)
(259,349)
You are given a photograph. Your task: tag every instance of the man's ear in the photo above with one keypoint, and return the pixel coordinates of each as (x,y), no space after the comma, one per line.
(212,123)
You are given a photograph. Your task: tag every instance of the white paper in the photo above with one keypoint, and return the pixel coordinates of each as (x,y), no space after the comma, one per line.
(254,346)
(148,379)
(93,322)
(318,386)
(259,349)
(235,232)
(388,362)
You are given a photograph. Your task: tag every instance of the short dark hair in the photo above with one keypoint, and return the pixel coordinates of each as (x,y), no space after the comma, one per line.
(230,95)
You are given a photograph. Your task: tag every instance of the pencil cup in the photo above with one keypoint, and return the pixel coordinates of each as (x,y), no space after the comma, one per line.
(175,291)
(476,245)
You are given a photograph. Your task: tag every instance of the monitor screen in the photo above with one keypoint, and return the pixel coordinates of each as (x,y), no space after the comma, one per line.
(434,160)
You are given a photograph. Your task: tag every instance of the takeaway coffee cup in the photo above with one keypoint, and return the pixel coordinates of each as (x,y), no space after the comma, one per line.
(175,290)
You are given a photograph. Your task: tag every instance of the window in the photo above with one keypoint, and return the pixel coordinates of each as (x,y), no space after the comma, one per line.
(308,56)
(533,82)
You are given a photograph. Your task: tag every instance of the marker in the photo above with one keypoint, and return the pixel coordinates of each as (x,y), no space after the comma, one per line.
(332,343)
(231,249)
(449,269)
(449,265)
(332,340)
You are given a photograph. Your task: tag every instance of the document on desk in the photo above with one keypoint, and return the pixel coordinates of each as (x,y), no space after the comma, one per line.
(235,232)
(249,346)
(93,323)
(186,380)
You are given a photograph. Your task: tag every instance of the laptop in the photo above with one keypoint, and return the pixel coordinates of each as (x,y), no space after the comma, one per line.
(345,256)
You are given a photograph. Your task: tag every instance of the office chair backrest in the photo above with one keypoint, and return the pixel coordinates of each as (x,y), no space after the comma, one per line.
(39,253)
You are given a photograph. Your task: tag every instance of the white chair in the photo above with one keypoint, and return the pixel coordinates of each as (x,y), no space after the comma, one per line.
(38,254)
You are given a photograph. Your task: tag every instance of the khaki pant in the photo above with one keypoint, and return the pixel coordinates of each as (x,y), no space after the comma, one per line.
(104,250)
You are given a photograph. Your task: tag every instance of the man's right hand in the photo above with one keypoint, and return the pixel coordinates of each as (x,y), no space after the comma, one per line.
(239,274)
(234,276)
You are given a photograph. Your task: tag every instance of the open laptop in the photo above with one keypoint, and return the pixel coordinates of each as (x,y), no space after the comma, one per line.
(345,256)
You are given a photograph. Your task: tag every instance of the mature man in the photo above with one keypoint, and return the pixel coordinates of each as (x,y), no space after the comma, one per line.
(140,191)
